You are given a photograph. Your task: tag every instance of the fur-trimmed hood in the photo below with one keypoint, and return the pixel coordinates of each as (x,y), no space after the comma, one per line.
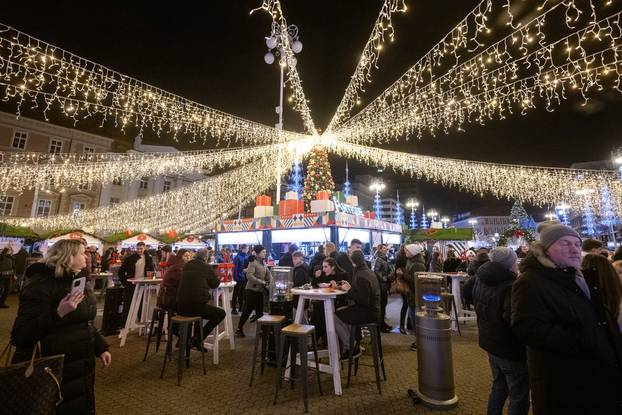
(536,255)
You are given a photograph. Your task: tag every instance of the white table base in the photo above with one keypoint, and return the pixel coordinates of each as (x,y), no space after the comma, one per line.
(461,316)
(222,299)
(142,292)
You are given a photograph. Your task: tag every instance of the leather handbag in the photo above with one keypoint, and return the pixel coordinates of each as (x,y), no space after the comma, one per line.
(399,286)
(31,387)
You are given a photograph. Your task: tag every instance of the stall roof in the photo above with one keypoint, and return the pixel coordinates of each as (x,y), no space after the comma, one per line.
(191,242)
(90,239)
(142,237)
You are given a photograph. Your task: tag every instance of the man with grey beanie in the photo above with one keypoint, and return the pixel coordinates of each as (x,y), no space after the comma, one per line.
(506,354)
(573,361)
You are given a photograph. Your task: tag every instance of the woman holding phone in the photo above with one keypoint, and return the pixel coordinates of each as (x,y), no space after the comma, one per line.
(62,321)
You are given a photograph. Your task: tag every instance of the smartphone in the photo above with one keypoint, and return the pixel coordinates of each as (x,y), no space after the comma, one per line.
(78,285)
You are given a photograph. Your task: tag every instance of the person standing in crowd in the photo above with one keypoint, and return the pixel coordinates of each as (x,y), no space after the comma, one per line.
(330,250)
(7,273)
(239,275)
(63,322)
(573,361)
(492,294)
(468,257)
(172,277)
(414,264)
(603,279)
(257,279)
(365,293)
(398,273)
(383,269)
(318,257)
(106,259)
(436,263)
(19,264)
(467,289)
(343,258)
(286,258)
(133,266)
(591,246)
(452,262)
(195,291)
(617,255)
(302,271)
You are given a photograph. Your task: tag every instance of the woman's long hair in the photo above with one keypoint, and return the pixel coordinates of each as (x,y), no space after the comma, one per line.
(608,281)
(332,263)
(58,256)
(358,259)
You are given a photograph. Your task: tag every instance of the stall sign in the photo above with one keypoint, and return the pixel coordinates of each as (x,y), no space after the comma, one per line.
(345,208)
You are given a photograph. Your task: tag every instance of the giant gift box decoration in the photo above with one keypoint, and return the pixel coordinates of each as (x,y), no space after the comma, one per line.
(322,195)
(291,207)
(352,200)
(291,196)
(263,200)
(369,214)
(322,206)
(264,207)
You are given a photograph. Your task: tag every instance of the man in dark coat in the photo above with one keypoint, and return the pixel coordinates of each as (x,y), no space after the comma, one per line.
(195,291)
(134,266)
(239,275)
(286,258)
(19,263)
(506,354)
(383,269)
(414,263)
(574,359)
(343,258)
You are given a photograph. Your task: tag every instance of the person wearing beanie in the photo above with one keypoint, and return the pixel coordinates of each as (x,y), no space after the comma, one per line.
(591,246)
(257,279)
(506,354)
(414,264)
(574,361)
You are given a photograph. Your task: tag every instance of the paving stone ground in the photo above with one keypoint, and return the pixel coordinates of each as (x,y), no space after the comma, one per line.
(131,386)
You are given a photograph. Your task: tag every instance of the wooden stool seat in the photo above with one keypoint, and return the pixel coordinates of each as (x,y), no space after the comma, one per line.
(183,319)
(299,330)
(270,319)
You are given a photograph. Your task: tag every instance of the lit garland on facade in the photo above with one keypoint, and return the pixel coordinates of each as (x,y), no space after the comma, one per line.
(273,7)
(369,60)
(191,208)
(21,171)
(539,186)
(422,102)
(49,78)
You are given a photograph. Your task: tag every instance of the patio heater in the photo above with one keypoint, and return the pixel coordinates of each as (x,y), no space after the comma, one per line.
(435,386)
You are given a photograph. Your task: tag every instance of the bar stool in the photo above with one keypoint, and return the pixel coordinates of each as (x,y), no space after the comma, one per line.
(185,324)
(158,315)
(297,336)
(266,324)
(376,345)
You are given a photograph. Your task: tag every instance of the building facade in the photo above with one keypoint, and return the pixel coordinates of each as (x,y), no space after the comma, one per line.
(486,228)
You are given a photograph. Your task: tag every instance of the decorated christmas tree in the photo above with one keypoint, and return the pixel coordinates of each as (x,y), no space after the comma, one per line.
(318,175)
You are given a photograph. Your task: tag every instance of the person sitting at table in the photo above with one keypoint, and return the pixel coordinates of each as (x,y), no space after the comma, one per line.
(365,292)
(171,278)
(198,279)
(330,272)
(257,278)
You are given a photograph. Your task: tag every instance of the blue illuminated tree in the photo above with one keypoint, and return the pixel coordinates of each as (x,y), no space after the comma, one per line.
(347,186)
(296,178)
(424,219)
(608,218)
(588,219)
(399,212)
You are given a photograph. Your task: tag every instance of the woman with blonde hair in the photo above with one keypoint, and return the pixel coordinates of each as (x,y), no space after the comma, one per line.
(63,324)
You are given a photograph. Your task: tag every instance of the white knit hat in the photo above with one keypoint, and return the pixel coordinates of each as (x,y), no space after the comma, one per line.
(414,249)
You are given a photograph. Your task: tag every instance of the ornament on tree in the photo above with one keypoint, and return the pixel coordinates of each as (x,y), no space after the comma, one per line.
(318,176)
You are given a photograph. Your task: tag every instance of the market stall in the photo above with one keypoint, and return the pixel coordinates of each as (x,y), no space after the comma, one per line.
(190,242)
(150,241)
(91,240)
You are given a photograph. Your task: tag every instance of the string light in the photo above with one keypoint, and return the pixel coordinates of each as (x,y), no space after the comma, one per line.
(369,60)
(273,7)
(485,94)
(49,78)
(539,186)
(194,207)
(21,171)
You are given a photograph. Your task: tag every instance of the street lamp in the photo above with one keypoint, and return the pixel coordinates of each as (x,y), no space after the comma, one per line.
(444,221)
(550,216)
(413,204)
(276,42)
(377,186)
(432,214)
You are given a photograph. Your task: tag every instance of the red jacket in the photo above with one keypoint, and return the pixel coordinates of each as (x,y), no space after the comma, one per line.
(172,276)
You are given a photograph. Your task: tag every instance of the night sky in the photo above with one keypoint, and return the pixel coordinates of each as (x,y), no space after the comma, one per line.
(214,55)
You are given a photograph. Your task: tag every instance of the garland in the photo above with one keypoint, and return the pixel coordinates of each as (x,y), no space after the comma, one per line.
(516,232)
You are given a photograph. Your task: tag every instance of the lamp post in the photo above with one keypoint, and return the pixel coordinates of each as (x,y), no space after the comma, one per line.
(432,214)
(444,221)
(276,42)
(413,205)
(377,186)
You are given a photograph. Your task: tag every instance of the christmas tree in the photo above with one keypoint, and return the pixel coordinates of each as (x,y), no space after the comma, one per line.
(399,212)
(318,175)
(518,214)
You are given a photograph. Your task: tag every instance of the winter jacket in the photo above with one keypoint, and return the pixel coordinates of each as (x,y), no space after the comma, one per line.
(573,361)
(467,288)
(451,264)
(436,265)
(365,293)
(6,266)
(173,273)
(258,276)
(19,261)
(286,260)
(196,284)
(344,262)
(302,274)
(492,295)
(413,265)
(316,261)
(383,270)
(73,335)
(325,279)
(238,274)
(127,268)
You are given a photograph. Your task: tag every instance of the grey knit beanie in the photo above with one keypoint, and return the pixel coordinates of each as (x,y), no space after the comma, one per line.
(551,231)
(504,256)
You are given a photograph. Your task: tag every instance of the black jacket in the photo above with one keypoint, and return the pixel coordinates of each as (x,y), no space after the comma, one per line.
(74,335)
(286,260)
(302,274)
(197,282)
(451,264)
(365,293)
(316,261)
(492,295)
(573,361)
(344,262)
(127,268)
(413,265)
(19,261)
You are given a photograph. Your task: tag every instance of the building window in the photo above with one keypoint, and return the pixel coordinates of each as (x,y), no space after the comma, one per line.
(117,182)
(6,205)
(56,146)
(144,183)
(43,208)
(89,150)
(79,206)
(19,139)
(167,186)
(114,201)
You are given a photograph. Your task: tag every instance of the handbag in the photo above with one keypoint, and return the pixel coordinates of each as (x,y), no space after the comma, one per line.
(31,387)
(399,286)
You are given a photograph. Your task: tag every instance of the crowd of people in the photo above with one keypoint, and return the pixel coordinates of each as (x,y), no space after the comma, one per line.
(549,314)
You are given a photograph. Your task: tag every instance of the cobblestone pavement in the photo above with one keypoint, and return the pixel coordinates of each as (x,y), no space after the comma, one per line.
(131,386)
